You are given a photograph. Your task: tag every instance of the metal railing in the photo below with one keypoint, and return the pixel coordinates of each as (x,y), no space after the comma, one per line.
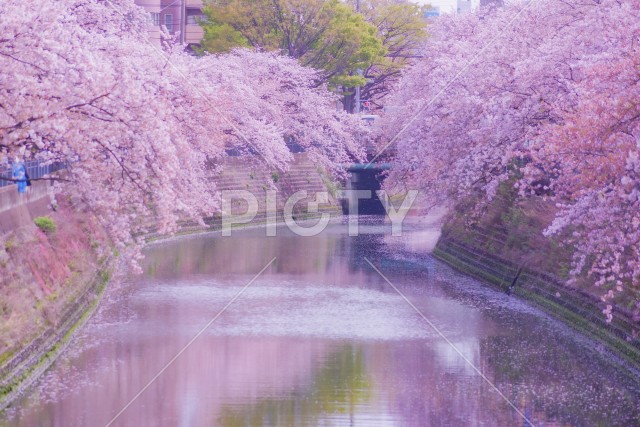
(35,169)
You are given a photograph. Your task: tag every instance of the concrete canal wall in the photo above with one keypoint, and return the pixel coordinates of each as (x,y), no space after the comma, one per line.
(49,283)
(23,363)
(18,210)
(240,176)
(579,309)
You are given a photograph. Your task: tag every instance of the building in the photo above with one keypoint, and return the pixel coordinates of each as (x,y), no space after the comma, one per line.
(193,31)
(495,3)
(463,6)
(177,16)
(432,12)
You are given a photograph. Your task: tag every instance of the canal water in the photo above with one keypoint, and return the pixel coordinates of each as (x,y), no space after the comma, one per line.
(322,339)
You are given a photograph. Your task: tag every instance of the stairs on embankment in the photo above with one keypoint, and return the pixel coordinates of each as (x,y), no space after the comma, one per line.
(238,177)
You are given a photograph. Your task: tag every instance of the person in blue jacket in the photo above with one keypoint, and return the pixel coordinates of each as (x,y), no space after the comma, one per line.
(20,173)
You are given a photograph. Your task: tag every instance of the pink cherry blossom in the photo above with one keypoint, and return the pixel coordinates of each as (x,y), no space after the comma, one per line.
(555,82)
(143,128)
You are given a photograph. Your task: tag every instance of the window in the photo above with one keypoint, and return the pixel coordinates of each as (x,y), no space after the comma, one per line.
(194,19)
(168,23)
(154,17)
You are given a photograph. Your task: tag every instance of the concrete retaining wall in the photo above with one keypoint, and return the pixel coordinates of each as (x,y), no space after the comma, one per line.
(18,210)
(24,362)
(238,175)
(21,369)
(575,307)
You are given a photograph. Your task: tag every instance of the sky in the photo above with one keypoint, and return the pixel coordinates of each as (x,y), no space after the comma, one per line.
(445,5)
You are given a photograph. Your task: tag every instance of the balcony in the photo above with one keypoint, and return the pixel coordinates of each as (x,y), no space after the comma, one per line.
(193,33)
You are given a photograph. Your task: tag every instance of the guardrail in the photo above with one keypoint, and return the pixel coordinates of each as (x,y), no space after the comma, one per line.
(35,169)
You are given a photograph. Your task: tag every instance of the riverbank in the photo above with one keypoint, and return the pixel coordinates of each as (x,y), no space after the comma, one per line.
(575,308)
(20,370)
(504,246)
(51,279)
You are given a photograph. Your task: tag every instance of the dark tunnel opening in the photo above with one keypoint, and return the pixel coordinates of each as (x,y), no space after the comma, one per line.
(365,179)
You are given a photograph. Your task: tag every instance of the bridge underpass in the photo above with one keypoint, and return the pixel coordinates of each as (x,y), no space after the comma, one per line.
(365,176)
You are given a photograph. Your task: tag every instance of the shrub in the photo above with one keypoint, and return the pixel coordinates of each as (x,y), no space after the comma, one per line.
(45,224)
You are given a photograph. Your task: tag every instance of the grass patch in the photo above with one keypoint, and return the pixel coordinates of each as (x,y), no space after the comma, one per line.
(46,224)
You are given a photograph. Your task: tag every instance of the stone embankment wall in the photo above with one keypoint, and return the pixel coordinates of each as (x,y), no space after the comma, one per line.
(303,175)
(19,210)
(23,363)
(49,282)
(578,308)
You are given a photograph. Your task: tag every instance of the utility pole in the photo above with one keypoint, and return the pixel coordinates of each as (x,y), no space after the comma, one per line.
(183,22)
(358,96)
(358,71)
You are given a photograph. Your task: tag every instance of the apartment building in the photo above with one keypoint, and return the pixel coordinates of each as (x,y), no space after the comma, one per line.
(177,16)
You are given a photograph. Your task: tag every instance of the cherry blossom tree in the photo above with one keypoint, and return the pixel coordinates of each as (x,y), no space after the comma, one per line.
(595,155)
(78,87)
(271,99)
(141,127)
(554,83)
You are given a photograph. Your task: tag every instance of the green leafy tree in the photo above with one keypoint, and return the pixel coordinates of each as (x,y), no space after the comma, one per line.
(222,37)
(367,49)
(402,29)
(325,34)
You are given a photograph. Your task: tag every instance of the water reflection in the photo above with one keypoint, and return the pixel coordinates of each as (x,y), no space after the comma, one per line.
(320,339)
(335,390)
